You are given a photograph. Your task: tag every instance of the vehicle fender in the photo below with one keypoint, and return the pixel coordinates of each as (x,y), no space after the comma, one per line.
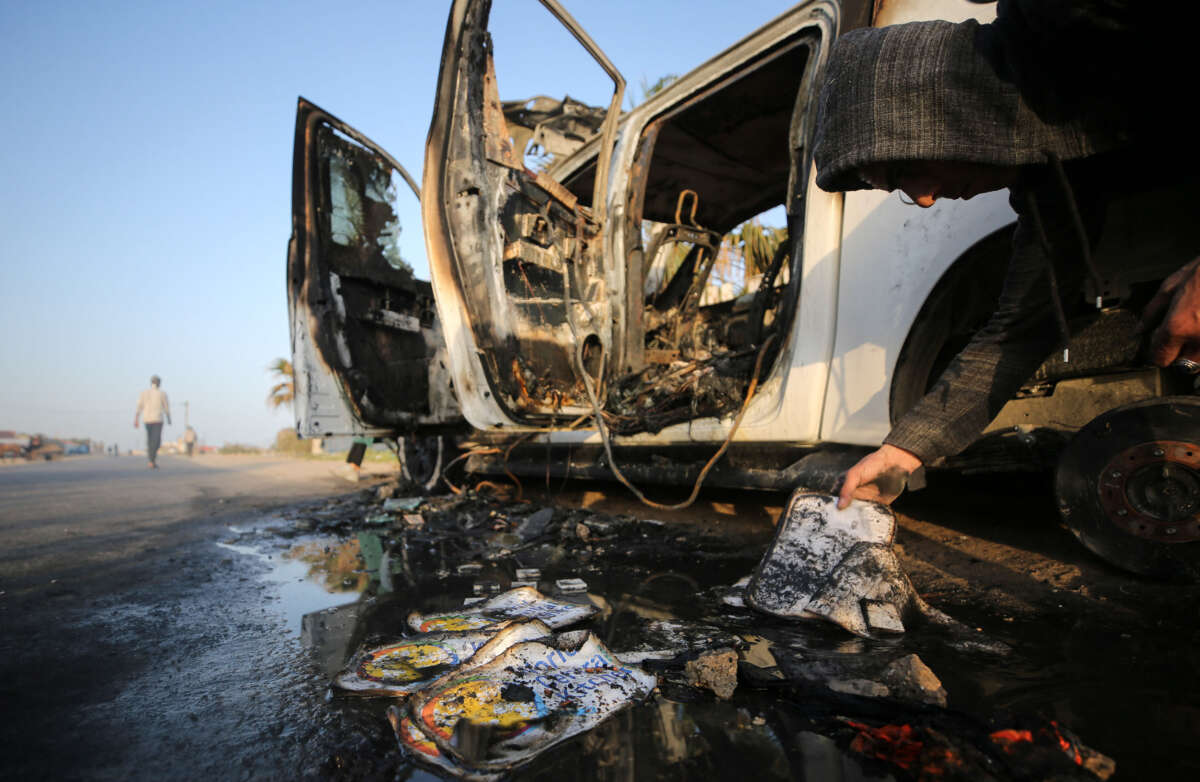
(892,256)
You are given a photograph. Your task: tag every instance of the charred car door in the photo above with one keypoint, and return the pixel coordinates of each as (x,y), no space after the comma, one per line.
(367,350)
(528,304)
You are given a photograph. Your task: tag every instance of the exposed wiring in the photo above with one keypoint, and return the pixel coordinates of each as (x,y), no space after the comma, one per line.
(599,414)
(459,458)
(499,488)
(737,421)
(512,477)
(485,452)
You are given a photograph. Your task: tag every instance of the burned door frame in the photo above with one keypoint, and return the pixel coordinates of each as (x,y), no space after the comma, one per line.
(802,118)
(515,358)
(332,395)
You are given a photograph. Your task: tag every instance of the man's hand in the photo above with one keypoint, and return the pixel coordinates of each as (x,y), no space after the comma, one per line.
(878,476)
(1178,335)
(135,418)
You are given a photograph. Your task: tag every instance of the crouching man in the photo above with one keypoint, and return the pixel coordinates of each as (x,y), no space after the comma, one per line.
(942,110)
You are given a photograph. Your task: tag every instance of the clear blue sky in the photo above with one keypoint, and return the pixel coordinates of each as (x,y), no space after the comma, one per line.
(146,158)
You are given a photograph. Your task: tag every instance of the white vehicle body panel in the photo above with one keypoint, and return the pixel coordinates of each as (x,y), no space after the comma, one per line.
(922,10)
(319,402)
(892,256)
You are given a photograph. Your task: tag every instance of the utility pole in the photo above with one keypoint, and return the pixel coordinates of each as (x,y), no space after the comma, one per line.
(185,413)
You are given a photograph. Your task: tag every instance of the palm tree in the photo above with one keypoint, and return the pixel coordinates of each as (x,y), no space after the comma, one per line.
(758,244)
(283,392)
(650,90)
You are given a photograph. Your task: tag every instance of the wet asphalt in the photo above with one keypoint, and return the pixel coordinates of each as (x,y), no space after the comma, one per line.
(131,645)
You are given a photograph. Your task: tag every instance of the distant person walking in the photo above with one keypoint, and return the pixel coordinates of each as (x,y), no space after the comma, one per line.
(189,439)
(152,407)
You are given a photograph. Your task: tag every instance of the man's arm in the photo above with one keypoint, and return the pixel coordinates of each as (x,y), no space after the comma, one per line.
(999,358)
(138,410)
(166,408)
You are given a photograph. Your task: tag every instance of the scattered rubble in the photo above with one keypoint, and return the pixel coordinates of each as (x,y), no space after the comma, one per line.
(402,503)
(716,670)
(571,585)
(929,749)
(909,677)
(534,525)
(630,585)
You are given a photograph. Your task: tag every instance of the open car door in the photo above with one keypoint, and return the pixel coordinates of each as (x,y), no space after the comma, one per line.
(527,302)
(367,351)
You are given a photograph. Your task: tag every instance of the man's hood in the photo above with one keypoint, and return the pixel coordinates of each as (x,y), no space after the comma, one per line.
(930,91)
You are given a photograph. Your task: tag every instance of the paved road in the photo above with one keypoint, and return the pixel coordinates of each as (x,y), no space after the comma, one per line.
(64,518)
(131,646)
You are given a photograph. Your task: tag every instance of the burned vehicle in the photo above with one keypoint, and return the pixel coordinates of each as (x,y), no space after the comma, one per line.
(668,297)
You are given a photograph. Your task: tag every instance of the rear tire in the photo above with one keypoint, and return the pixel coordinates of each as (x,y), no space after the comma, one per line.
(422,459)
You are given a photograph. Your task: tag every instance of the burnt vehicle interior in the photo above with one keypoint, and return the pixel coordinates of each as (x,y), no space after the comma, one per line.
(373,321)
(716,167)
(710,289)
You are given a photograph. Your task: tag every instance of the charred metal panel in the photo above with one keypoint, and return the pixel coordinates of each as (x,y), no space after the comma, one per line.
(774,468)
(371,290)
(367,348)
(551,127)
(527,255)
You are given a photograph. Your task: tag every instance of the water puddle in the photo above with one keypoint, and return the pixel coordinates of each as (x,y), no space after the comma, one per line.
(310,576)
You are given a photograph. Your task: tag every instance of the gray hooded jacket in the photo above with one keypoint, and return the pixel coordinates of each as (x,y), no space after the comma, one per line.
(930,91)
(996,94)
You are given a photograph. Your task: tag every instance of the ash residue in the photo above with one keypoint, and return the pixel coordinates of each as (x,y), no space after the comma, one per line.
(727,676)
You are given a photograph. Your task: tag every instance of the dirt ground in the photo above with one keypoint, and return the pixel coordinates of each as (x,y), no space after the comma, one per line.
(991,543)
(131,649)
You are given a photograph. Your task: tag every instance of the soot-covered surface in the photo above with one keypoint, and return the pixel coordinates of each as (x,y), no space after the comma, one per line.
(809,698)
(222,666)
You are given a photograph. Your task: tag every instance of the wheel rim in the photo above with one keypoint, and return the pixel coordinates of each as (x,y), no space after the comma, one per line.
(1152,491)
(1128,486)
